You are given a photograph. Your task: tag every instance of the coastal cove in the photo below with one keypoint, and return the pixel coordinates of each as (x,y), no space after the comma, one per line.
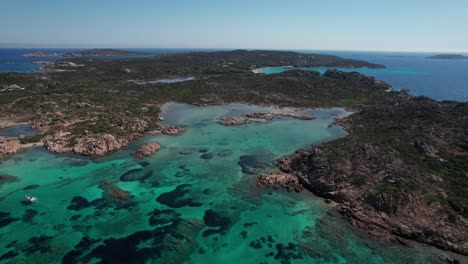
(195,201)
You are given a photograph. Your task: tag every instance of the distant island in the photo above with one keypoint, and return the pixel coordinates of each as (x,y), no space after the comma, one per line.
(86,53)
(448,57)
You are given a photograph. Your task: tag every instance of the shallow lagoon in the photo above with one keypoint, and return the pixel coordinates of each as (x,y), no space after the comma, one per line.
(196,205)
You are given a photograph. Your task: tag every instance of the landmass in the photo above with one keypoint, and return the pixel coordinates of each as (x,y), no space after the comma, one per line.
(448,57)
(85,53)
(401,173)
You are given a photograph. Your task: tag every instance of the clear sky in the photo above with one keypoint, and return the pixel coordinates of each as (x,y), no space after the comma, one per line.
(388,25)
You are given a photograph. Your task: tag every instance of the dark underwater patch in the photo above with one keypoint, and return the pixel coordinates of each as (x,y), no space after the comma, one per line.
(78,203)
(178,197)
(136,175)
(224,153)
(5,219)
(8,255)
(251,165)
(29,215)
(207,156)
(162,217)
(130,172)
(130,249)
(144,164)
(31,187)
(286,254)
(214,219)
(39,244)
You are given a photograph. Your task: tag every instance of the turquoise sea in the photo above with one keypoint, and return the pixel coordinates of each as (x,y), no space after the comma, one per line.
(194,201)
(437,79)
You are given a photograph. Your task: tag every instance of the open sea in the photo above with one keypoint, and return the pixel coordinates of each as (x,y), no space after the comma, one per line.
(196,200)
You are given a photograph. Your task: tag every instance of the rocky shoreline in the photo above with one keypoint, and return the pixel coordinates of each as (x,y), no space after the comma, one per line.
(390,197)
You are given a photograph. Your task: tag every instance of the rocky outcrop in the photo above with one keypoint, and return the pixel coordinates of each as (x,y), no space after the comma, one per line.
(259,116)
(173,130)
(233,121)
(147,150)
(271,115)
(280,181)
(9,145)
(98,145)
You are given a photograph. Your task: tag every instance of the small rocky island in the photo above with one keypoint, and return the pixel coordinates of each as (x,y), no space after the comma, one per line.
(86,53)
(448,57)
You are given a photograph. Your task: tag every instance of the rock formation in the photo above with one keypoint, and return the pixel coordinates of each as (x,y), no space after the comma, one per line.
(9,145)
(147,150)
(98,145)
(173,130)
(280,181)
(256,117)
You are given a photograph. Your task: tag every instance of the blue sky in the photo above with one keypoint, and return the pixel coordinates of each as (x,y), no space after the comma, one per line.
(410,25)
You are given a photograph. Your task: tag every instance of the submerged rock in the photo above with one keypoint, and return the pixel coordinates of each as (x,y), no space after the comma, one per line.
(163,217)
(113,193)
(215,219)
(78,203)
(250,164)
(136,175)
(7,179)
(178,197)
(5,219)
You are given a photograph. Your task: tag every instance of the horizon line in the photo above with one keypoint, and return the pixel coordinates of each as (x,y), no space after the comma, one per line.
(7,46)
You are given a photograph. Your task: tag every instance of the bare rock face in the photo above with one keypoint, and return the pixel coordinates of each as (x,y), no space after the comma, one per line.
(9,145)
(97,145)
(147,150)
(280,181)
(173,130)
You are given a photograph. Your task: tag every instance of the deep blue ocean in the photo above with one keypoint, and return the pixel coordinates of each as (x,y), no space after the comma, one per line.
(438,79)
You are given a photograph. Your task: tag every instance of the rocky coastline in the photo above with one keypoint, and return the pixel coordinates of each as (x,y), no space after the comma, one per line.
(279,181)
(389,195)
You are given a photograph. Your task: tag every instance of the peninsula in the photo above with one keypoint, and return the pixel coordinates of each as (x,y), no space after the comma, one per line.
(400,173)
(448,57)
